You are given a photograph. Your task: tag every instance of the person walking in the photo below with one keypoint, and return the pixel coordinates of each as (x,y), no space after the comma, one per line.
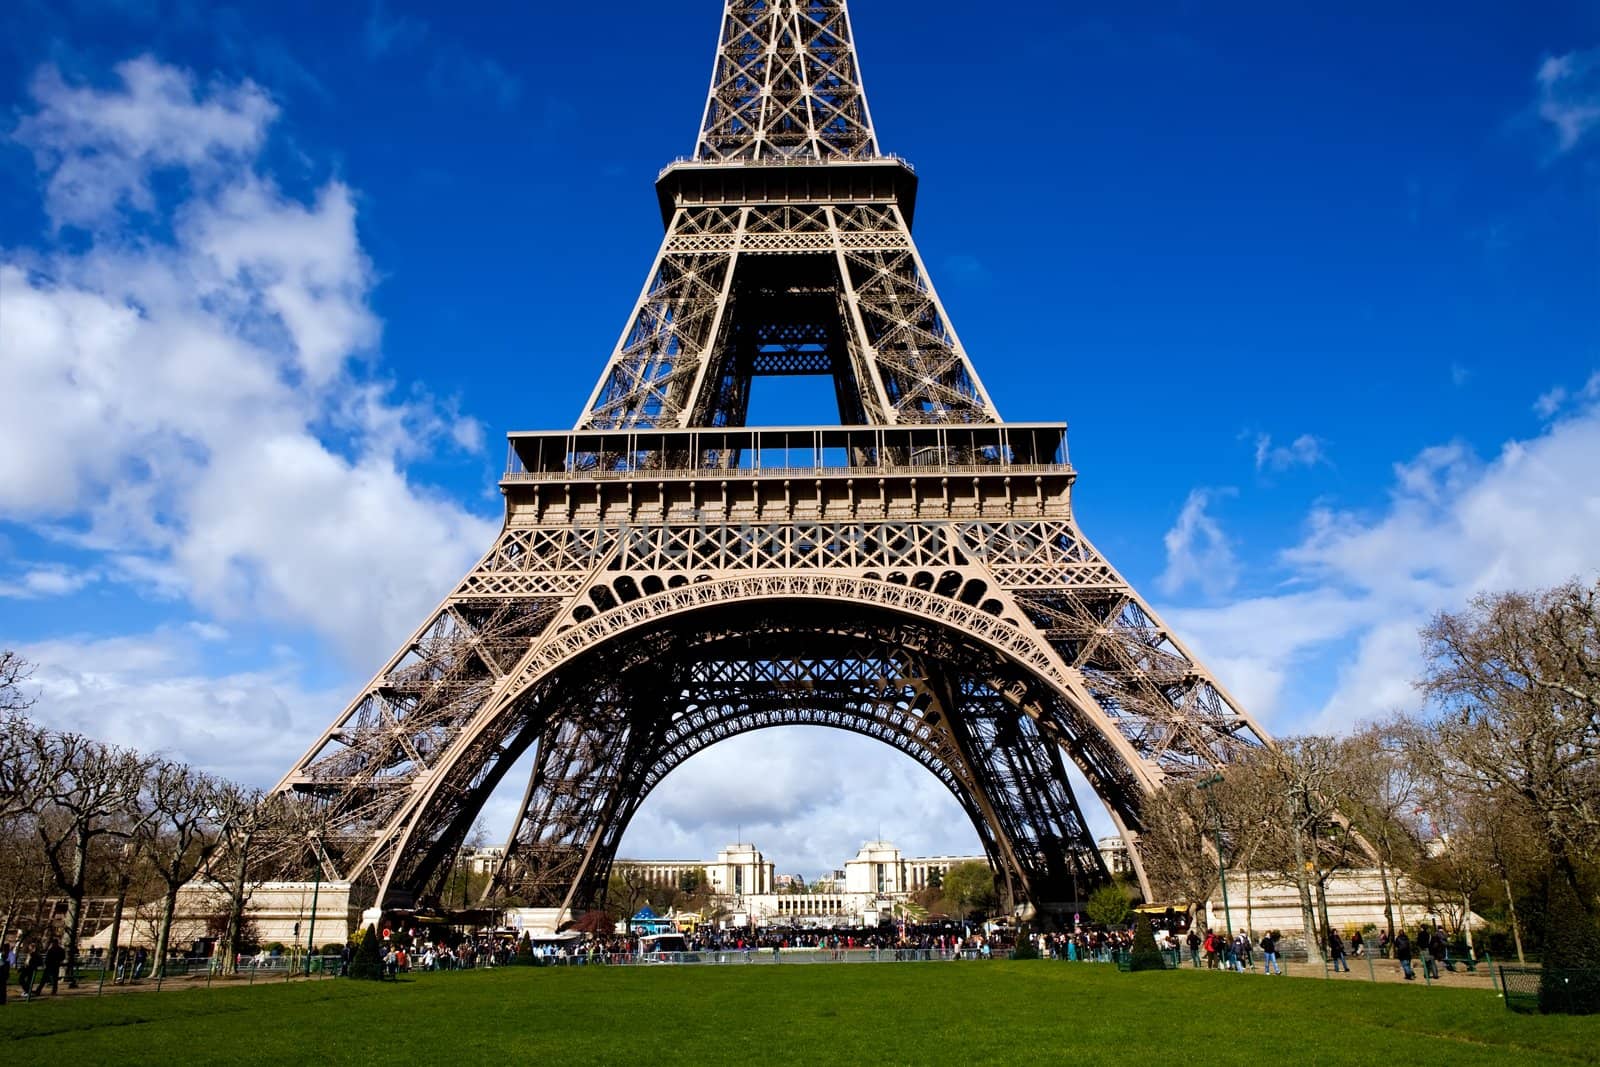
(1430,966)
(54,957)
(30,962)
(1402,952)
(1269,954)
(1336,952)
(1438,950)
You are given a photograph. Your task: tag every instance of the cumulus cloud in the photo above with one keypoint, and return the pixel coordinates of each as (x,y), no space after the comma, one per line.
(1198,552)
(1303,451)
(184,389)
(1569,96)
(1455,524)
(99,147)
(142,690)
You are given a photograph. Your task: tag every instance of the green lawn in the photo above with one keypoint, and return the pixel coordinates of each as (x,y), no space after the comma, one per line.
(966,1013)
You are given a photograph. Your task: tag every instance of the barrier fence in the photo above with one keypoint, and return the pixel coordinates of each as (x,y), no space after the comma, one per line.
(1518,985)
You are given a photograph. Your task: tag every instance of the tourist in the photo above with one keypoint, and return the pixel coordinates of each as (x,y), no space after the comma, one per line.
(7,961)
(29,965)
(1430,966)
(1402,952)
(54,956)
(1383,944)
(1269,954)
(1336,952)
(1358,947)
(1194,947)
(1438,950)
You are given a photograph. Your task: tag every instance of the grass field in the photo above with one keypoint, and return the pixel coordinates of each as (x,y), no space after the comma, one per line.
(966,1013)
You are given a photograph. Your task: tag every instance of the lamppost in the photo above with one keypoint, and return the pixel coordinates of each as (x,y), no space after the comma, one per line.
(1222,868)
(316,891)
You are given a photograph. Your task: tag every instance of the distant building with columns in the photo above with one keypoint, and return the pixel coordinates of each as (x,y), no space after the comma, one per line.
(739,870)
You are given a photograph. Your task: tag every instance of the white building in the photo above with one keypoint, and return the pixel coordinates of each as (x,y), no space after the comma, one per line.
(867,888)
(1265,901)
(739,870)
(484,860)
(287,913)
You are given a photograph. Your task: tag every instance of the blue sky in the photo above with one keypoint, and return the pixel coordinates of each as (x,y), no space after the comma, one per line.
(1316,290)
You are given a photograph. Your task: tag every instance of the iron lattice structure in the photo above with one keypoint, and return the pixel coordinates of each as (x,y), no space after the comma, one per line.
(668,577)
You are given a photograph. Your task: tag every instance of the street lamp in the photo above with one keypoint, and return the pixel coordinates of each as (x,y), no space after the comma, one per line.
(1222,869)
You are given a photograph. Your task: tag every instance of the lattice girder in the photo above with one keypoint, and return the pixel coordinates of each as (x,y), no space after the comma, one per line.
(786,85)
(680,362)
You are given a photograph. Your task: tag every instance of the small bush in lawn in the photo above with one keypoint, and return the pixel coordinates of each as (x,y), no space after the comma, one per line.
(1024,949)
(368,960)
(525,956)
(1146,957)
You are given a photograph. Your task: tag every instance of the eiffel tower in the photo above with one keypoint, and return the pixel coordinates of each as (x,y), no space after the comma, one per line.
(669,577)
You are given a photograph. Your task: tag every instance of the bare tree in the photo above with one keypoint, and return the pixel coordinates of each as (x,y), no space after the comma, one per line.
(20,746)
(14,670)
(87,791)
(186,831)
(1311,786)
(1173,844)
(1517,677)
(24,875)
(1382,768)
(247,819)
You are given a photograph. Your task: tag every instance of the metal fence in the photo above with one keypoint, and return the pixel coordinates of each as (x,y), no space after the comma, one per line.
(96,977)
(1572,988)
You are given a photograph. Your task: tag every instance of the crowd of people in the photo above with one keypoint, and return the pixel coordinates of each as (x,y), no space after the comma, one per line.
(36,964)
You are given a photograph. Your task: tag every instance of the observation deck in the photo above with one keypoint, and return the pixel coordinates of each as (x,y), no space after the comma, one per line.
(786,473)
(881,179)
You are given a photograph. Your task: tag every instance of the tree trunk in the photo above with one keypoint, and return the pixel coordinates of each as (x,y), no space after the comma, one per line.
(230,963)
(164,932)
(80,874)
(1516,926)
(116,923)
(1249,910)
(1388,898)
(1466,918)
(1308,914)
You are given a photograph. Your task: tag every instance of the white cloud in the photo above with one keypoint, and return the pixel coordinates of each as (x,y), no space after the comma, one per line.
(143,691)
(1198,552)
(1454,525)
(1303,451)
(185,396)
(1569,96)
(100,147)
(47,580)
(1550,402)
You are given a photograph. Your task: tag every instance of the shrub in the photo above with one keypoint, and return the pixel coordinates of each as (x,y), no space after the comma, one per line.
(1024,949)
(525,956)
(1146,957)
(367,962)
